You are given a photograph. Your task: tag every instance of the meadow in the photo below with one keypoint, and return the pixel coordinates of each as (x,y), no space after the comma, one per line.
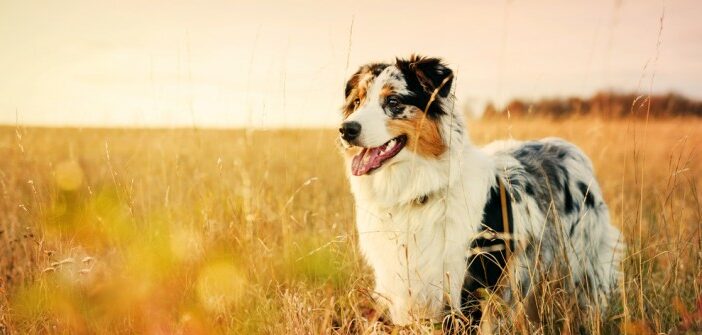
(193,231)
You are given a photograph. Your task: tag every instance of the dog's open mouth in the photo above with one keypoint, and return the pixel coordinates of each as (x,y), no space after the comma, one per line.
(370,159)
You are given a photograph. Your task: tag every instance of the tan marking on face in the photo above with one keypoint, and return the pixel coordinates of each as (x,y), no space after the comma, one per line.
(423,135)
(386,91)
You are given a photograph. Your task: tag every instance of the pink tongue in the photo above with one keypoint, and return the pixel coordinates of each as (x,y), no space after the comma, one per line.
(365,161)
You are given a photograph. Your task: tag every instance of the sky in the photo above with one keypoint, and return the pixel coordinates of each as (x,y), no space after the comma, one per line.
(232,63)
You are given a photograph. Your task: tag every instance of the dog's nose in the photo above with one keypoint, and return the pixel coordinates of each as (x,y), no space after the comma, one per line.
(350,130)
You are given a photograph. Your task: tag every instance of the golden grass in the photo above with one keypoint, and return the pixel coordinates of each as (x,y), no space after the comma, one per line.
(239,232)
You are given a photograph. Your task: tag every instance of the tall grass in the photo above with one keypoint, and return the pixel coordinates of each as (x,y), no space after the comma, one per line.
(238,232)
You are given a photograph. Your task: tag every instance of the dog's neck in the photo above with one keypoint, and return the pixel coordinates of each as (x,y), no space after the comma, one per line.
(413,181)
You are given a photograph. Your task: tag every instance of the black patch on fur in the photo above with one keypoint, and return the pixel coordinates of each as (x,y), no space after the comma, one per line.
(529,189)
(515,183)
(424,75)
(568,203)
(589,199)
(376,69)
(516,196)
(572,227)
(546,176)
(486,268)
(528,149)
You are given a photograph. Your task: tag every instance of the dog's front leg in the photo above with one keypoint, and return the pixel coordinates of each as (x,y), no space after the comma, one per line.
(407,304)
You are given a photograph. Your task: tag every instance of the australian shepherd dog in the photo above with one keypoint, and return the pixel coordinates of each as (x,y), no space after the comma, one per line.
(443,222)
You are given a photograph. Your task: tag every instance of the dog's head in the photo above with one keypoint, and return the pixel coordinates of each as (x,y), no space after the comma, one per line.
(394,111)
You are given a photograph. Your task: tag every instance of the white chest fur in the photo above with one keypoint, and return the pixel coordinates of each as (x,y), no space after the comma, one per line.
(405,246)
(417,250)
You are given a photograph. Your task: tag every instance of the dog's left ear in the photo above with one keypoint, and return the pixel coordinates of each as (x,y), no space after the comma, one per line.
(430,73)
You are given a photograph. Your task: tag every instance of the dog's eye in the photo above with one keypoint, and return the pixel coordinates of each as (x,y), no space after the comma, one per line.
(393,105)
(357,102)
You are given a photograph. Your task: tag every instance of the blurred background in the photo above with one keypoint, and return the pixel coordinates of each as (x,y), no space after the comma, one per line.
(283,63)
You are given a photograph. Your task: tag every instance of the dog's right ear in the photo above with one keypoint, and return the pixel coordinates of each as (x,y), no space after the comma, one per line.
(430,73)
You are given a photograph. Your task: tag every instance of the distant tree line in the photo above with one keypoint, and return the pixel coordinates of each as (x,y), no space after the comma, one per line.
(602,104)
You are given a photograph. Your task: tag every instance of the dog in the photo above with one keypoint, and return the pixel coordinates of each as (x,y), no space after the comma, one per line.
(439,220)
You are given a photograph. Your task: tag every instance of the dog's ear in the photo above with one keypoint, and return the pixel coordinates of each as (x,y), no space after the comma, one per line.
(430,73)
(373,69)
(351,83)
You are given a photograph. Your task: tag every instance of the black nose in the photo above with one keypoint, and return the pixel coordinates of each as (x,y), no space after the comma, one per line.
(349,130)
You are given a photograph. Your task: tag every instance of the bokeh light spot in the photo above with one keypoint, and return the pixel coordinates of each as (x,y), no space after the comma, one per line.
(220,285)
(186,244)
(69,175)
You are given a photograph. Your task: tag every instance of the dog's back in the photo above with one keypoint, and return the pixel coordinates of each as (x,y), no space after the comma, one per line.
(560,217)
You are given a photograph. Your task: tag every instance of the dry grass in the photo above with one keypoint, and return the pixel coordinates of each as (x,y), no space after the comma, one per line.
(213,231)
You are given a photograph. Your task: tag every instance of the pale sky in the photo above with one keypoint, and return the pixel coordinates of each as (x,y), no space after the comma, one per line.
(284,63)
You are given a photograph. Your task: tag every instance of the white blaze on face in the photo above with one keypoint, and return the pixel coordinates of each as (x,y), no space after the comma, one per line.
(371,115)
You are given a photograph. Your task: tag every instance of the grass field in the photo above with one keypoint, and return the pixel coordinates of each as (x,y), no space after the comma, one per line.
(240,232)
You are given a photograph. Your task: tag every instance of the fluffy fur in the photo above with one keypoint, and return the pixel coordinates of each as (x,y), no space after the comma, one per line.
(430,219)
